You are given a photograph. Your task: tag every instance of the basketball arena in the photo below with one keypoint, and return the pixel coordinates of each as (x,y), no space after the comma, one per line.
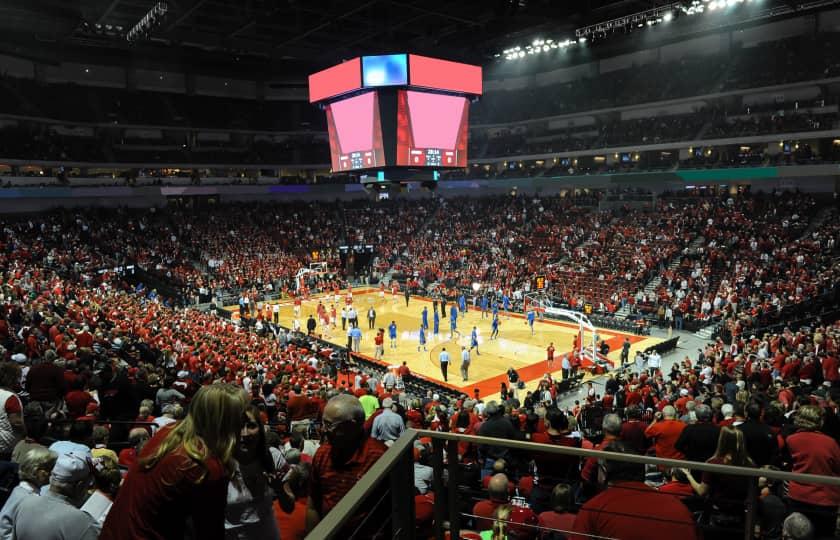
(419,270)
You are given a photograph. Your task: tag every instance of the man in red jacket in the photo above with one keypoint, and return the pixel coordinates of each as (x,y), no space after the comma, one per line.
(629,509)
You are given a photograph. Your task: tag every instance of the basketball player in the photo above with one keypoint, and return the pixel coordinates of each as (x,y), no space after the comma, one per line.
(531,317)
(550,355)
(394,289)
(382,290)
(462,305)
(297,306)
(392,334)
(421,339)
(483,306)
(506,305)
(435,323)
(474,342)
(424,316)
(495,327)
(453,322)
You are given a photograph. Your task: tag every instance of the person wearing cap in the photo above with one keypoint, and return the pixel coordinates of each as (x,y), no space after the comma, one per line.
(34,472)
(388,426)
(55,515)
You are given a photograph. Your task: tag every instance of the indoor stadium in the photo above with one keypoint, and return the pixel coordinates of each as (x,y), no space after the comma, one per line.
(419,270)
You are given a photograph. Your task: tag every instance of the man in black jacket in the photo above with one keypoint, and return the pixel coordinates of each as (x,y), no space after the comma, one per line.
(698,441)
(497,425)
(761,443)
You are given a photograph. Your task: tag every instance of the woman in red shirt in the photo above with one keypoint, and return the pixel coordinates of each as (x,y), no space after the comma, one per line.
(182,473)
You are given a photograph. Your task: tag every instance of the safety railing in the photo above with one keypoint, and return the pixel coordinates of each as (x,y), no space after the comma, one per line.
(396,468)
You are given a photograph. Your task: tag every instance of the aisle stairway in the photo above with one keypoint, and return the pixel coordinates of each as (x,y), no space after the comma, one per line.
(654,283)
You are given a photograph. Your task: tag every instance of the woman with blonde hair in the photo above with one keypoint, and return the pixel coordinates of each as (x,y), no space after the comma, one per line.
(178,486)
(501,518)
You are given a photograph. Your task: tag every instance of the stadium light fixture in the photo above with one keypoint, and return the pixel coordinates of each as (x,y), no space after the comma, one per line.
(151,20)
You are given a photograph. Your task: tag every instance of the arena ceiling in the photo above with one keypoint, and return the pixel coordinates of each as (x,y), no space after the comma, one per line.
(308,33)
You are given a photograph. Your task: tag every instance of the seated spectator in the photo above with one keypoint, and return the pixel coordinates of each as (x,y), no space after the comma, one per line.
(560,518)
(55,515)
(137,438)
(630,510)
(423,472)
(100,444)
(292,525)
(106,480)
(34,473)
(497,492)
(797,527)
(36,428)
(677,485)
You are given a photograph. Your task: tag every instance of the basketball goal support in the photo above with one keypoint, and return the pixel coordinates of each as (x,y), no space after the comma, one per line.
(543,302)
(318,268)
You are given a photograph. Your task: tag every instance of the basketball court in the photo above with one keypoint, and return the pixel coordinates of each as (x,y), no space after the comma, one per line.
(515,346)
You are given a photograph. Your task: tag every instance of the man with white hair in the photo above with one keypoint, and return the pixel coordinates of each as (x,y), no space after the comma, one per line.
(34,472)
(55,515)
(797,527)
(666,430)
(388,426)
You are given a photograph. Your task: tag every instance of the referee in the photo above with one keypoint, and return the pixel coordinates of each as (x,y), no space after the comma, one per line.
(444,364)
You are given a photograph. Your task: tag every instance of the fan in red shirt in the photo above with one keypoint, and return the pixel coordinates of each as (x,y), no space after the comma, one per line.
(343,459)
(665,431)
(629,509)
(182,473)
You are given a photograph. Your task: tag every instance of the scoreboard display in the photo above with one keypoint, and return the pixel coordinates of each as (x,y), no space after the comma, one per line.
(539,283)
(431,129)
(355,133)
(397,110)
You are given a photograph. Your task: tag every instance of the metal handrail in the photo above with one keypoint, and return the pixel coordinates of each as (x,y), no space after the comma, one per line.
(332,523)
(633,458)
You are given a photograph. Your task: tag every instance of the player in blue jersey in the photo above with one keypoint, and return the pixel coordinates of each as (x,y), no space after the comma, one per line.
(421,339)
(425,317)
(495,326)
(435,322)
(474,341)
(531,317)
(462,305)
(453,322)
(483,305)
(506,305)
(495,309)
(392,334)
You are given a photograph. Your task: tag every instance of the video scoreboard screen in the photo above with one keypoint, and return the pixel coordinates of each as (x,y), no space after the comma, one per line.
(396,110)
(355,133)
(431,129)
